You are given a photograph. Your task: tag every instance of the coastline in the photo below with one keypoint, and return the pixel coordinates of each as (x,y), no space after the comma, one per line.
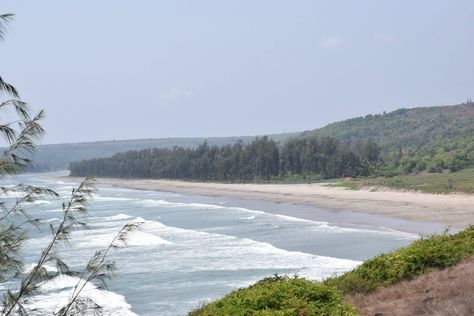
(453,210)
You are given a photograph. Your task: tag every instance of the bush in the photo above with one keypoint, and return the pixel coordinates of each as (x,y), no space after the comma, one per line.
(457,161)
(280,296)
(407,164)
(295,296)
(424,255)
(436,165)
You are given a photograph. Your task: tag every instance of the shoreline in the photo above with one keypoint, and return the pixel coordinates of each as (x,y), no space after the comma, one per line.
(454,210)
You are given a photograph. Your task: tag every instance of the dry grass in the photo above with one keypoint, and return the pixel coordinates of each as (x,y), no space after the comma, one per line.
(445,292)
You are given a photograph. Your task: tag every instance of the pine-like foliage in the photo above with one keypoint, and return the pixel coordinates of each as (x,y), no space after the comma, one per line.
(262,159)
(19,137)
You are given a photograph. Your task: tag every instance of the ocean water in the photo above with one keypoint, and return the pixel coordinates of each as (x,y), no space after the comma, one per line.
(193,249)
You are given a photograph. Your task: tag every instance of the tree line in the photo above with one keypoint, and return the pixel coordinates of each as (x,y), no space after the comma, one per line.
(261,159)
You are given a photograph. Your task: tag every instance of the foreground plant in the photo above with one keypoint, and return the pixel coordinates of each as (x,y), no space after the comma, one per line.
(280,295)
(20,136)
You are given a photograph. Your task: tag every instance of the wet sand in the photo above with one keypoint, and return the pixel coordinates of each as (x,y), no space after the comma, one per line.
(453,210)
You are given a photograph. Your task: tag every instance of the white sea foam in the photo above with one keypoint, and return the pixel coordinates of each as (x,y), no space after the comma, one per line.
(384,231)
(248,217)
(57,210)
(54,219)
(297,219)
(48,268)
(242,209)
(111,198)
(117,217)
(198,265)
(13,194)
(197,251)
(64,192)
(100,238)
(139,238)
(164,203)
(55,293)
(197,206)
(113,189)
(162,193)
(317,224)
(40,202)
(64,183)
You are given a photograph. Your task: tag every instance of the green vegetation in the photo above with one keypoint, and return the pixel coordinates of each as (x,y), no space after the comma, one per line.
(427,149)
(19,131)
(448,182)
(411,140)
(280,296)
(261,159)
(59,156)
(346,184)
(424,255)
(295,178)
(296,296)
(429,138)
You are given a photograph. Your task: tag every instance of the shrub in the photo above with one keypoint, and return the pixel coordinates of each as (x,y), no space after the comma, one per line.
(280,296)
(424,255)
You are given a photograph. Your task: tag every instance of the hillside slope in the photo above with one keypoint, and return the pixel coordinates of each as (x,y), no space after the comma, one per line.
(416,127)
(419,132)
(434,139)
(442,292)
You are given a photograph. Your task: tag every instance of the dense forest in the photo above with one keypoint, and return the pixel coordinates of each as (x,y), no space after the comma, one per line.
(430,139)
(411,140)
(427,138)
(262,159)
(58,156)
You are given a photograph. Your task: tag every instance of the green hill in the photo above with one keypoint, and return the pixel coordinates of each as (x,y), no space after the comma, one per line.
(434,138)
(424,138)
(405,128)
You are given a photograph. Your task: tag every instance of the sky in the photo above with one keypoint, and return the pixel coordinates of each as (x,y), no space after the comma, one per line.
(117,69)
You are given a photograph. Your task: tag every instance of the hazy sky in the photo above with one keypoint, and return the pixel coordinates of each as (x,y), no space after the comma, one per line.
(143,69)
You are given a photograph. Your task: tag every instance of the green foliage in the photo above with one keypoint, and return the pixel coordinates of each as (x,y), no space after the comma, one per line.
(59,156)
(259,160)
(280,296)
(20,135)
(408,128)
(295,296)
(422,256)
(296,178)
(329,157)
(414,135)
(429,138)
(434,139)
(349,185)
(447,182)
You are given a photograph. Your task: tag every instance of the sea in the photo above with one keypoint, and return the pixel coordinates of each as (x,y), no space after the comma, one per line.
(194,249)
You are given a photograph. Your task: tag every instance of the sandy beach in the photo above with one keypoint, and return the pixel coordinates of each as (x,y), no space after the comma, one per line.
(453,210)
